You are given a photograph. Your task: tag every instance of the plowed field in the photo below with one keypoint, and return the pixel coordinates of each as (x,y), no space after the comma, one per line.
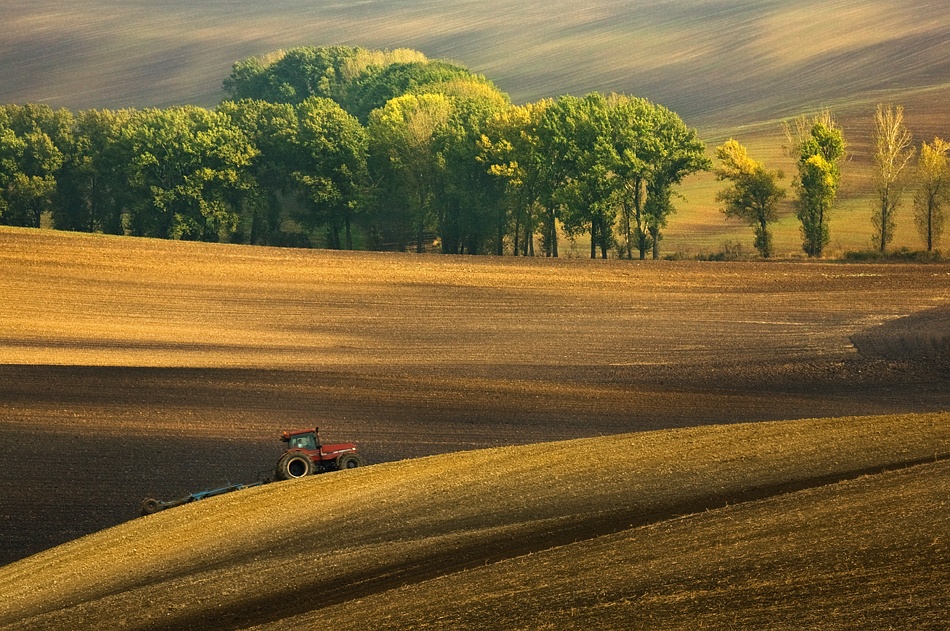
(135,367)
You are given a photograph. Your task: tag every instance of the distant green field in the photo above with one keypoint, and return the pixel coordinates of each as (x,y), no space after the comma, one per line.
(728,69)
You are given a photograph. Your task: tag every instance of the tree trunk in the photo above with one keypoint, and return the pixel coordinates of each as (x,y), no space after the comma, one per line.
(593,238)
(517,235)
(930,227)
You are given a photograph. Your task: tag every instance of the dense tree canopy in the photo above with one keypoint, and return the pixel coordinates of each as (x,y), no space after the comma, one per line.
(92,190)
(582,162)
(331,146)
(272,129)
(295,75)
(186,165)
(33,145)
(345,147)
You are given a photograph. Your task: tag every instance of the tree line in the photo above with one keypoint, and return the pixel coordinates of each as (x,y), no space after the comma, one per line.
(818,147)
(345,147)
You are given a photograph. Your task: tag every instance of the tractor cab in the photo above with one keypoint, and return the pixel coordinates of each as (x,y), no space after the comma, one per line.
(304,439)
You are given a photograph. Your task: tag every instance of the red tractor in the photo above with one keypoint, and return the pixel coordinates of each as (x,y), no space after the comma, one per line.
(305,455)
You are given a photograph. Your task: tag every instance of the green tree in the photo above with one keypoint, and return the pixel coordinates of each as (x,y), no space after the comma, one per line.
(754,194)
(92,192)
(272,129)
(332,169)
(470,206)
(892,154)
(580,159)
(292,76)
(510,150)
(933,192)
(378,85)
(187,163)
(585,192)
(818,146)
(631,126)
(547,165)
(570,168)
(674,151)
(405,165)
(32,143)
(295,75)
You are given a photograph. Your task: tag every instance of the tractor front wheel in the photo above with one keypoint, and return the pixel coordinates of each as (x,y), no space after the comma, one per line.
(294,465)
(350,461)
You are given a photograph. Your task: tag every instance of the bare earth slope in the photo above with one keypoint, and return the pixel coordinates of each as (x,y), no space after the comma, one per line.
(866,554)
(706,59)
(275,552)
(133,368)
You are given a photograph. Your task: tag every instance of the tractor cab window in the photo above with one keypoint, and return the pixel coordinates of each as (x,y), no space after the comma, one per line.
(303,441)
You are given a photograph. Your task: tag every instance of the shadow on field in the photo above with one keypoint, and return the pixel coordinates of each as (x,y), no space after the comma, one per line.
(60,485)
(922,337)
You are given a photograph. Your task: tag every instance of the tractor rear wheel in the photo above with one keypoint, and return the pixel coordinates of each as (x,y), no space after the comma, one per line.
(350,461)
(294,465)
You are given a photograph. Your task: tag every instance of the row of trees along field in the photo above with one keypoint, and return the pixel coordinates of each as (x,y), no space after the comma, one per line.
(350,148)
(345,147)
(818,147)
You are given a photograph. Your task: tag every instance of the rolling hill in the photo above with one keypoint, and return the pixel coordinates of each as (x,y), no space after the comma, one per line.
(133,367)
(677,495)
(368,547)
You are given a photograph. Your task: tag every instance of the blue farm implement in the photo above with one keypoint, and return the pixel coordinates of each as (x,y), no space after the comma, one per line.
(150,505)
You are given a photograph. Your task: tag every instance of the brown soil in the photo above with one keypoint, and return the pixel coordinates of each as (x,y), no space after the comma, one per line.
(133,368)
(864,554)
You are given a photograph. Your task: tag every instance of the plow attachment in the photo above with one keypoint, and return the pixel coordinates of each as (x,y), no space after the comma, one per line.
(150,505)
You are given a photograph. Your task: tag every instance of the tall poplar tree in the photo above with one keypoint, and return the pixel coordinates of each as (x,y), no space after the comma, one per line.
(892,154)
(818,147)
(933,192)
